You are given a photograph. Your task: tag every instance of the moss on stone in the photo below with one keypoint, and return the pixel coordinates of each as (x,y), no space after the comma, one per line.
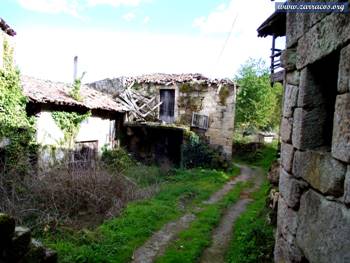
(223,95)
(185,88)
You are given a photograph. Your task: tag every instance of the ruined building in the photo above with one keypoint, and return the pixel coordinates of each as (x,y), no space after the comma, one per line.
(314,207)
(168,106)
(186,101)
(96,132)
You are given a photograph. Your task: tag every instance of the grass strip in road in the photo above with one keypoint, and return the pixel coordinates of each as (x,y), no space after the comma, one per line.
(116,239)
(253,238)
(191,242)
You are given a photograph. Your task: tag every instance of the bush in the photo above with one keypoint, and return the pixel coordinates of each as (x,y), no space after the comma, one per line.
(117,160)
(67,193)
(197,153)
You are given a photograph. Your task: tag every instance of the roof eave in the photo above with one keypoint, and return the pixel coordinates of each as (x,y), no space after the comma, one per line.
(274,25)
(6,28)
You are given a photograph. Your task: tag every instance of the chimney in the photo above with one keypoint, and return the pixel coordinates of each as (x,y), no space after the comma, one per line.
(75,70)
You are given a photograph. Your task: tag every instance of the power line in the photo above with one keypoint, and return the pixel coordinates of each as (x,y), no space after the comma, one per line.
(227,39)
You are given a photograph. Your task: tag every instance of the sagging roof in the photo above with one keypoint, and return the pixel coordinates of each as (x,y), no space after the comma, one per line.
(166,79)
(157,79)
(57,93)
(274,25)
(6,28)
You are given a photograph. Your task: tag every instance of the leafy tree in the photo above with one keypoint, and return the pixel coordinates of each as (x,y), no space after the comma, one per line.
(16,129)
(258,105)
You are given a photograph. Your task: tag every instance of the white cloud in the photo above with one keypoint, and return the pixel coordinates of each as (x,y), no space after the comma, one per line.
(46,53)
(249,13)
(51,6)
(243,18)
(146,20)
(114,3)
(129,16)
(72,6)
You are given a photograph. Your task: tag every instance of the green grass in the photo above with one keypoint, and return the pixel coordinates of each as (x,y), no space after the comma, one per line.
(253,239)
(263,157)
(116,239)
(191,242)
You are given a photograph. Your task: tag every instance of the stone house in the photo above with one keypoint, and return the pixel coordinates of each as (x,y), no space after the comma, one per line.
(205,106)
(314,206)
(98,130)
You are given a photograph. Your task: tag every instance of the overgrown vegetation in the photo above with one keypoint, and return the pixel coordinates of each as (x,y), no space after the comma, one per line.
(253,239)
(258,105)
(197,153)
(116,239)
(191,242)
(75,92)
(117,159)
(16,129)
(256,154)
(69,123)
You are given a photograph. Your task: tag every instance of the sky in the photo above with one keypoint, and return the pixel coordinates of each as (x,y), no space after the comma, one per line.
(133,37)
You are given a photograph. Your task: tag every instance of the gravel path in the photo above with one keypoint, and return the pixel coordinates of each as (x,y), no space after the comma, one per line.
(156,245)
(222,235)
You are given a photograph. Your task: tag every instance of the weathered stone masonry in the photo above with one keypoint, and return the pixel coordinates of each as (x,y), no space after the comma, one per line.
(17,245)
(314,208)
(194,93)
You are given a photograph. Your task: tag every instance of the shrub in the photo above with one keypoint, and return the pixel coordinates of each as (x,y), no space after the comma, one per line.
(117,159)
(197,153)
(67,193)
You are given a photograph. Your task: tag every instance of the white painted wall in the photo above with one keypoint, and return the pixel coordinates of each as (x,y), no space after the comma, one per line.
(49,134)
(97,129)
(92,129)
(47,131)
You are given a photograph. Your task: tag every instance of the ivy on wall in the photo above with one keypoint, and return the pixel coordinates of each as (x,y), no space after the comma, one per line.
(69,123)
(16,128)
(75,92)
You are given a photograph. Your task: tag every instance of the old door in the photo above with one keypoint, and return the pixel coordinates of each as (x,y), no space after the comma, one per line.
(167,109)
(85,153)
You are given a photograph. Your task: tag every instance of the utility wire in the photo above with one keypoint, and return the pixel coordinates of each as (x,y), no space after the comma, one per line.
(227,39)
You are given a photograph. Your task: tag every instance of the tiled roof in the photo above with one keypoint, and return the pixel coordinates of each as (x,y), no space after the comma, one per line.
(45,91)
(164,79)
(114,85)
(6,28)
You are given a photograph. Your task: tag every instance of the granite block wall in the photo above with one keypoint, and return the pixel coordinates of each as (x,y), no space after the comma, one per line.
(314,205)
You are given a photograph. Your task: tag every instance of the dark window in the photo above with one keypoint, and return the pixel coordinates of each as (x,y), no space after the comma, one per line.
(200,121)
(85,153)
(167,109)
(325,74)
(318,95)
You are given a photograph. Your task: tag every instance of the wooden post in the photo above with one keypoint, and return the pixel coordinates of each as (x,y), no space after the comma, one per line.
(273,54)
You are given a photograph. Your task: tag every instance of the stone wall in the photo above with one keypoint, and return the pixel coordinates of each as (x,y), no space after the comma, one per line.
(314,204)
(215,99)
(17,245)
